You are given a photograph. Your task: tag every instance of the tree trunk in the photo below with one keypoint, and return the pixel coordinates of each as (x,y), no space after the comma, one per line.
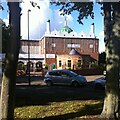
(110,108)
(9,74)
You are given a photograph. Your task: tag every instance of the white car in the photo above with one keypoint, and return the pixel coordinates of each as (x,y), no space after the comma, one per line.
(99,83)
(64,77)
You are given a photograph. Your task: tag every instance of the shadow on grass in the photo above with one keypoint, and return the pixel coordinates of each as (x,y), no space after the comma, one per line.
(43,95)
(87,110)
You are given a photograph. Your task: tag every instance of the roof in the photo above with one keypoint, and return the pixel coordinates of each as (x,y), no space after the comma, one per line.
(74,52)
(66,29)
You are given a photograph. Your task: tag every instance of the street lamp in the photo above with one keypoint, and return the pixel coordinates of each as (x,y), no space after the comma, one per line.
(28,52)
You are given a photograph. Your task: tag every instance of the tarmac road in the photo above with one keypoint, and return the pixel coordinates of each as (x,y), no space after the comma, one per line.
(39,90)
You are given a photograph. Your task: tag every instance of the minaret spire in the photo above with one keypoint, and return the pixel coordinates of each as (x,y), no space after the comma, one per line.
(65,24)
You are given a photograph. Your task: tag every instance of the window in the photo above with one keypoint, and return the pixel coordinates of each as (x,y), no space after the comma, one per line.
(54,73)
(64,74)
(73,45)
(69,63)
(60,64)
(91,46)
(53,45)
(79,63)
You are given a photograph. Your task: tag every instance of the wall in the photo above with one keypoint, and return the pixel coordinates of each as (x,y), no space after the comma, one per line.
(61,45)
(89,72)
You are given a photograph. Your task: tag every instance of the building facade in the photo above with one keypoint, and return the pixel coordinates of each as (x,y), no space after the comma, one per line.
(53,49)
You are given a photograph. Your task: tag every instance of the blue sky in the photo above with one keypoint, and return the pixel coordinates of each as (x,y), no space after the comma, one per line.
(38,20)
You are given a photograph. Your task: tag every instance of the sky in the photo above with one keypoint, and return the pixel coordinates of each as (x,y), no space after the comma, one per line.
(38,18)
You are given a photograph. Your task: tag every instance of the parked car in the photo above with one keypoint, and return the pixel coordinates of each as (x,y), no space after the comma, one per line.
(64,77)
(0,71)
(99,83)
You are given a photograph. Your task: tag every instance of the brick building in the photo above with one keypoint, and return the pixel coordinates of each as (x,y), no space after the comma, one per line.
(56,45)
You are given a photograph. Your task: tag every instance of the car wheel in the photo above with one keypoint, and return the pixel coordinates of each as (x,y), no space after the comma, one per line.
(75,84)
(49,83)
(98,86)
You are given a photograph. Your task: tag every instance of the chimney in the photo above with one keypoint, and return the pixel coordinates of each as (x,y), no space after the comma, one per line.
(48,27)
(92,28)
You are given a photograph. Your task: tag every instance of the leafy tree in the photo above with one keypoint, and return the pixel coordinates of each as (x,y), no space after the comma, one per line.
(9,74)
(102,58)
(112,43)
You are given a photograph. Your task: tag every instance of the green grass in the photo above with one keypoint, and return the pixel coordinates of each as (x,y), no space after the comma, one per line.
(72,109)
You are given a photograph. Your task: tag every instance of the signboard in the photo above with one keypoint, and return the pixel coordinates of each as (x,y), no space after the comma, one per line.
(50,55)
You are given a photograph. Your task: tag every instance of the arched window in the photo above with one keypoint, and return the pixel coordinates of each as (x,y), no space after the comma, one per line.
(30,66)
(20,65)
(69,63)
(38,66)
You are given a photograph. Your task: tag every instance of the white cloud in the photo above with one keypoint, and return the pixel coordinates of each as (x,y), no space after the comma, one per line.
(101,42)
(38,18)
(101,34)
(6,20)
(57,20)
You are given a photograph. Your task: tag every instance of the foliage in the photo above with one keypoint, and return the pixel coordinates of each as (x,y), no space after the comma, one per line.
(78,66)
(1,7)
(102,58)
(84,9)
(21,73)
(45,66)
(94,65)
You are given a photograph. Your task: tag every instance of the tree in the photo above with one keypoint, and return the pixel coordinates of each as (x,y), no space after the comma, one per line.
(102,58)
(9,74)
(5,37)
(112,43)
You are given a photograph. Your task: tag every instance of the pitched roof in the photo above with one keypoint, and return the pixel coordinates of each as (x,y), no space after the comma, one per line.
(74,52)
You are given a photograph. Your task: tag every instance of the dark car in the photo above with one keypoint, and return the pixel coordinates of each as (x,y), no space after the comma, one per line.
(64,77)
(99,83)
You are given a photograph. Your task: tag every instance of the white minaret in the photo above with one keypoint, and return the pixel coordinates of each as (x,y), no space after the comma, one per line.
(48,27)
(92,29)
(65,23)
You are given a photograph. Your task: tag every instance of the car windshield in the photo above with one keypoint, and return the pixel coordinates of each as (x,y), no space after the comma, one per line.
(73,74)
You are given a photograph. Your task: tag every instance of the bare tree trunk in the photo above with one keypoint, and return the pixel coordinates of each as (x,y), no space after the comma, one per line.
(116,32)
(9,74)
(110,108)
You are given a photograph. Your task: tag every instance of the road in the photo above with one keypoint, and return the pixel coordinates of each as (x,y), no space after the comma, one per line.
(39,90)
(38,80)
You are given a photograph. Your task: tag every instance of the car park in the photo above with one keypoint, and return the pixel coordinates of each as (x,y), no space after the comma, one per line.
(64,77)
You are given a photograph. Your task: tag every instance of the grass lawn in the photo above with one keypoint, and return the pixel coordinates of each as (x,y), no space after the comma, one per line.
(64,110)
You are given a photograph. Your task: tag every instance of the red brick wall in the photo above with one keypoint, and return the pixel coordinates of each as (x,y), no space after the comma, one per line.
(61,45)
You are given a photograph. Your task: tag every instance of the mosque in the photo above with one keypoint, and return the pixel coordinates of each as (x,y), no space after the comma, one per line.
(63,49)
